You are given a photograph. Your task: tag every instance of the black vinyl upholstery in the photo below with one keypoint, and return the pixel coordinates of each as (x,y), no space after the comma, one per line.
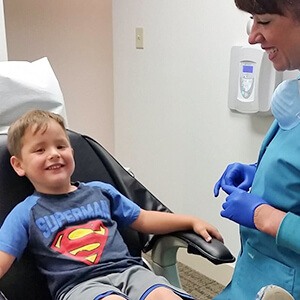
(93,162)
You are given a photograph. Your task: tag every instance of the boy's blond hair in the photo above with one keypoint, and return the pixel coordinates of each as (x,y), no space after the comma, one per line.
(37,118)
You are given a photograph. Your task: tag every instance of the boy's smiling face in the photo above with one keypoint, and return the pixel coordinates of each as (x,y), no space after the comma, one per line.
(46,159)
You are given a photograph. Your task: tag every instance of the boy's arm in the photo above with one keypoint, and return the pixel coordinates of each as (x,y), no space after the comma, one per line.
(6,260)
(161,223)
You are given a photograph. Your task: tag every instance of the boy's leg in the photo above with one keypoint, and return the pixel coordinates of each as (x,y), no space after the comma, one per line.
(151,287)
(162,293)
(136,282)
(273,292)
(96,288)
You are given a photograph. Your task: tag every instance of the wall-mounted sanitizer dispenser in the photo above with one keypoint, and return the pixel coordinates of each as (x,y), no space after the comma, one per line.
(252,80)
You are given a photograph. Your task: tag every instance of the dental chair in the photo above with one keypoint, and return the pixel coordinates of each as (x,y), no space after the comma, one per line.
(93,162)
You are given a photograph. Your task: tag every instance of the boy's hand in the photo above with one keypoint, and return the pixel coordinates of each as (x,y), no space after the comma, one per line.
(207,231)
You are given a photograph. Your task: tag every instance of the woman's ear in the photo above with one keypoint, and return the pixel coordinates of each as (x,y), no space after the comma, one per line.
(17,165)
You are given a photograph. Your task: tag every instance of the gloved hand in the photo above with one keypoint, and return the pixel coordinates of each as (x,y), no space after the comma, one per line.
(240,207)
(236,175)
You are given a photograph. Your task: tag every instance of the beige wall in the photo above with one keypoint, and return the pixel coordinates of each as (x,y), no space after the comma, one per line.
(77,39)
(3,50)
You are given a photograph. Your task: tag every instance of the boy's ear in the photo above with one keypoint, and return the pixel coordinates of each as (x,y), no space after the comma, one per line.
(17,165)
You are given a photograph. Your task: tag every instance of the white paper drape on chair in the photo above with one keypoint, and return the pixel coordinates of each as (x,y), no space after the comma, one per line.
(25,86)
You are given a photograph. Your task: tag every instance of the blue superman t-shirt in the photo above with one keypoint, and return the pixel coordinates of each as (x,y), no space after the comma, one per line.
(73,237)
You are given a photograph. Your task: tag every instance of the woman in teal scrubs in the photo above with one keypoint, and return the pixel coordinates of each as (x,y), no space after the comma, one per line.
(264,198)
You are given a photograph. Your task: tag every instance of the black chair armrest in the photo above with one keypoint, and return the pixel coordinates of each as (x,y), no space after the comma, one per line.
(164,252)
(215,251)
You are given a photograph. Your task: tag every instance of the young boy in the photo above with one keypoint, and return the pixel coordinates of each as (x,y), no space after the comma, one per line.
(85,215)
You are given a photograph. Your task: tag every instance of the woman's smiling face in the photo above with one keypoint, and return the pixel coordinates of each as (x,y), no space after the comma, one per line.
(280,37)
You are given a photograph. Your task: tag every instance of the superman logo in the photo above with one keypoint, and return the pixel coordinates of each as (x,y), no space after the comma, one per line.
(84,243)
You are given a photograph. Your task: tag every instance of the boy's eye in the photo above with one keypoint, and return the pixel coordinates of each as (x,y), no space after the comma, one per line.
(39,150)
(61,147)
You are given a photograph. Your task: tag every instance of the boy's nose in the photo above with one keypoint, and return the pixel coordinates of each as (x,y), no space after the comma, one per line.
(54,154)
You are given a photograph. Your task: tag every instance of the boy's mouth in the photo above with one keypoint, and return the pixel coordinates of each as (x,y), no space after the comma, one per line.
(55,167)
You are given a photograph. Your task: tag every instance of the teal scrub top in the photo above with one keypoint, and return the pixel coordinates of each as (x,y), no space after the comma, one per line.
(265,260)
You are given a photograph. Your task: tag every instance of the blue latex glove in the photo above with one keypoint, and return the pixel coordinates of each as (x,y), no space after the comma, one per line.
(240,207)
(235,176)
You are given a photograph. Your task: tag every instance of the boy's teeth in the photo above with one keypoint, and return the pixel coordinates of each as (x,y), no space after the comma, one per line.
(54,167)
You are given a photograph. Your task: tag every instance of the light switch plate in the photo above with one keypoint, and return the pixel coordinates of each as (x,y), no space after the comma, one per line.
(139,38)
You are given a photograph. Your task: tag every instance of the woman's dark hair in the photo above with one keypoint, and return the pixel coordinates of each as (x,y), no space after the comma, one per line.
(279,7)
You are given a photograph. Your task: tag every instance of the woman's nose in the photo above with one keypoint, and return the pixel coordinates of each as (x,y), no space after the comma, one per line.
(254,35)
